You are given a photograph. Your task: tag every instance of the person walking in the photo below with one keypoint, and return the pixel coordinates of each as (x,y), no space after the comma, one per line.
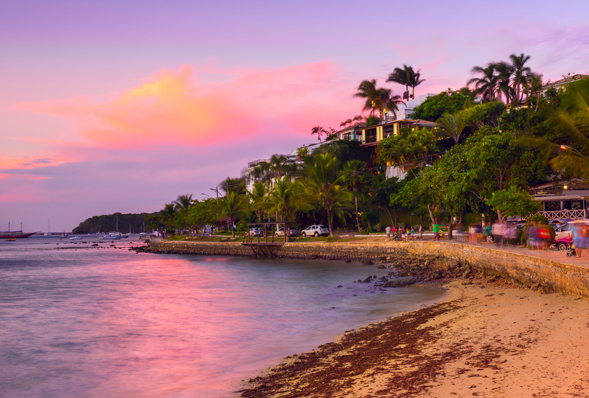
(420,231)
(388,230)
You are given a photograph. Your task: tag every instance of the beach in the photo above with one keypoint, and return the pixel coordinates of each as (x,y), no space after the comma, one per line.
(487,338)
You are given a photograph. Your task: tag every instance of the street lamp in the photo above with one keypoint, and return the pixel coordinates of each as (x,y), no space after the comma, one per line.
(206,195)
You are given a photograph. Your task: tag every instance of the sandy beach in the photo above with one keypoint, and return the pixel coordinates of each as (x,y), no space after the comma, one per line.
(486,339)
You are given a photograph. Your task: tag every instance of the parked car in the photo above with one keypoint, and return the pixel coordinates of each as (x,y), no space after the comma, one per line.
(291,232)
(563,231)
(563,244)
(315,230)
(256,232)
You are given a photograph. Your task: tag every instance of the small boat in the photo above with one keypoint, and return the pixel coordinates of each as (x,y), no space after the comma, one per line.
(15,234)
(64,235)
(11,240)
(76,238)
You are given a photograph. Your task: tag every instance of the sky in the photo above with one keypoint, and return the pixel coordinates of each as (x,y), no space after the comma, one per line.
(121,106)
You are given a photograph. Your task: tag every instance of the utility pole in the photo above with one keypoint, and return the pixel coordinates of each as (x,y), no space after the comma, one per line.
(216,189)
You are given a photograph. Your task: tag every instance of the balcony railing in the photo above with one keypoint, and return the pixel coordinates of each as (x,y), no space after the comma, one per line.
(555,214)
(369,139)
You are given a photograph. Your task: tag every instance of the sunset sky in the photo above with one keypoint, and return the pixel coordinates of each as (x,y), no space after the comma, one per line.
(124,105)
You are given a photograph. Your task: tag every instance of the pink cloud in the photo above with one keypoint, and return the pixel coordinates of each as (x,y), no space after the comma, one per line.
(171,108)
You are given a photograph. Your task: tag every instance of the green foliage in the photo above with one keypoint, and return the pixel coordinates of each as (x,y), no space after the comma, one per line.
(203,213)
(232,206)
(434,107)
(487,114)
(514,201)
(539,218)
(410,149)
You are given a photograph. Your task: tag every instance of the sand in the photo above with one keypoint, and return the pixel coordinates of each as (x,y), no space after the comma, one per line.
(484,340)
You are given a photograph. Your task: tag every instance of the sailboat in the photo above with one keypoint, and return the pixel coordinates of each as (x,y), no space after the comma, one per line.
(14,234)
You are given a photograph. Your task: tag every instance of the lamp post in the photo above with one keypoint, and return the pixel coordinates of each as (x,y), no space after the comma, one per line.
(208,196)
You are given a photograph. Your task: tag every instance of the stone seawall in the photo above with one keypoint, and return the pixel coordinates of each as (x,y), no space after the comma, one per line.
(521,269)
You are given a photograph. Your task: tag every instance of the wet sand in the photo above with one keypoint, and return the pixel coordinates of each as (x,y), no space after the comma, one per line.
(487,339)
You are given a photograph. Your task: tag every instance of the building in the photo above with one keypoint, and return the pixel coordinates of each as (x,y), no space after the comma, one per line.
(562,199)
(561,83)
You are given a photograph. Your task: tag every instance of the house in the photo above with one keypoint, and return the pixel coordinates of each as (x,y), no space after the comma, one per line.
(561,83)
(562,199)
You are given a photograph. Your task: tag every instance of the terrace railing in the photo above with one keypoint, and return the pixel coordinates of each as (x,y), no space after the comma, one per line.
(552,215)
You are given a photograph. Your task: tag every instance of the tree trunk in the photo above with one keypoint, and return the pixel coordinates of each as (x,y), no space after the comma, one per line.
(232,229)
(431,213)
(450,229)
(329,223)
(357,218)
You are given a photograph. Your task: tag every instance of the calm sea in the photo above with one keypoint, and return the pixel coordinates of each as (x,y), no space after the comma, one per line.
(78,321)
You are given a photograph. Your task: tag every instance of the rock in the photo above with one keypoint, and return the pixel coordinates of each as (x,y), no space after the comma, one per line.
(359,280)
(339,286)
(367,280)
(367,261)
(466,273)
(96,244)
(381,266)
(451,264)
(348,261)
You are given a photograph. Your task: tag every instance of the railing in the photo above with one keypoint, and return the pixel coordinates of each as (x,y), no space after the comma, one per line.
(369,139)
(255,163)
(551,215)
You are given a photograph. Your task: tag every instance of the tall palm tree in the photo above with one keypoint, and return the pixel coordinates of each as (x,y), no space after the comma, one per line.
(504,87)
(407,77)
(233,185)
(522,75)
(322,186)
(368,91)
(387,101)
(258,199)
(486,85)
(352,172)
(451,125)
(283,199)
(402,76)
(183,202)
(232,206)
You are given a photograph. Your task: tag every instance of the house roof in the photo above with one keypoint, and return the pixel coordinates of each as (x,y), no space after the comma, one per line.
(566,79)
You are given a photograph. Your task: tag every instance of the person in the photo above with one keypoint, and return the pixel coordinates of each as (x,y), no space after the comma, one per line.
(412,233)
(580,237)
(388,229)
(420,231)
(436,229)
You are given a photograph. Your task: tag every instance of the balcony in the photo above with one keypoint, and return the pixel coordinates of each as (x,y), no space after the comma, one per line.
(370,139)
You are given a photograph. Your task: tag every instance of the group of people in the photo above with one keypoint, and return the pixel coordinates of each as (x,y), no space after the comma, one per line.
(405,234)
(580,237)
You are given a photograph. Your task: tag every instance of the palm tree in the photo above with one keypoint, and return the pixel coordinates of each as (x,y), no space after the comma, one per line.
(451,125)
(504,87)
(258,199)
(322,187)
(386,101)
(406,77)
(352,173)
(283,198)
(169,215)
(233,185)
(522,75)
(183,202)
(486,85)
(232,206)
(368,91)
(402,77)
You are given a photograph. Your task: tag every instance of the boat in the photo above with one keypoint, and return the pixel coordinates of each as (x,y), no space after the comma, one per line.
(64,235)
(15,234)
(76,238)
(10,240)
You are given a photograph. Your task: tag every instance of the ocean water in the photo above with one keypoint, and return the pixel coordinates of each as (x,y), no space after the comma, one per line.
(81,321)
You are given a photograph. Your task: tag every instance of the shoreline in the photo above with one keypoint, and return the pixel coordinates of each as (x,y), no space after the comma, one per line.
(485,338)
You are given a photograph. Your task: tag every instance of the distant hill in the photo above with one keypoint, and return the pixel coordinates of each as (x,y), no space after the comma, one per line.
(107,223)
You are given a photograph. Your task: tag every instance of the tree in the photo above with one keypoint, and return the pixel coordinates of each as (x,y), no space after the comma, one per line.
(434,107)
(367,90)
(183,202)
(258,199)
(203,213)
(487,114)
(232,206)
(322,188)
(486,85)
(408,150)
(451,125)
(407,77)
(283,199)
(513,201)
(522,76)
(352,174)
(319,130)
(236,185)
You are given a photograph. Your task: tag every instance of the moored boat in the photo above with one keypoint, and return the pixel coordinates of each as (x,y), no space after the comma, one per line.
(15,234)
